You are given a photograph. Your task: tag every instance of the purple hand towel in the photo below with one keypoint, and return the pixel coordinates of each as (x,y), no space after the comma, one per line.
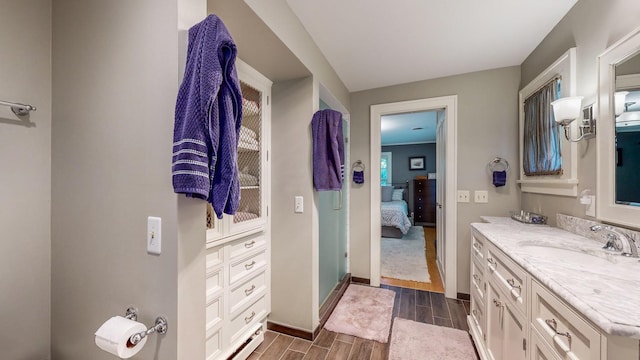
(328,150)
(208,118)
(499,178)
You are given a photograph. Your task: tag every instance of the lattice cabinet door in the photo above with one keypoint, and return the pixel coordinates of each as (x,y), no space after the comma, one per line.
(253,161)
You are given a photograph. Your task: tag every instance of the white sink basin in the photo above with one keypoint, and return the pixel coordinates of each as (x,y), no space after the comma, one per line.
(553,254)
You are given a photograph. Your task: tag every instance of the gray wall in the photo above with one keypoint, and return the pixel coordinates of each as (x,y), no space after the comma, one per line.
(487,127)
(292,233)
(115,78)
(608,21)
(25,184)
(401,155)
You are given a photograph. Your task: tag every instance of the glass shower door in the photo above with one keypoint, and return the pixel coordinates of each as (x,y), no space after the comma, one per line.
(332,213)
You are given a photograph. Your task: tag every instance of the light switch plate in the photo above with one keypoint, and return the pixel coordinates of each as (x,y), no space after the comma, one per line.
(481,196)
(299,204)
(463,196)
(154,235)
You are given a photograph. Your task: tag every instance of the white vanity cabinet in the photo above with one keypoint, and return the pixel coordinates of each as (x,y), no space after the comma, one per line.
(506,327)
(238,270)
(515,316)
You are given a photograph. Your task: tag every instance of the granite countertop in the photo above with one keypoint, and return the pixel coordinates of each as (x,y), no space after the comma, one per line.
(603,287)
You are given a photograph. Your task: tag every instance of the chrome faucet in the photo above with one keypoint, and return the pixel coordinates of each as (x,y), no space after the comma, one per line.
(613,236)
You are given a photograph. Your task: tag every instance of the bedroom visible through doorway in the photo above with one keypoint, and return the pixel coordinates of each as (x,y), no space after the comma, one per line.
(423,186)
(408,200)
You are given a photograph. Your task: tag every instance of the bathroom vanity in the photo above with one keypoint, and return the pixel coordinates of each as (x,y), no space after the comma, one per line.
(539,292)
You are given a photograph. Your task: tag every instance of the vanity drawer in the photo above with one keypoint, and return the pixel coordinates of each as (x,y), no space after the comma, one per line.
(246,245)
(539,349)
(246,319)
(477,315)
(508,276)
(247,292)
(478,249)
(566,334)
(477,280)
(247,266)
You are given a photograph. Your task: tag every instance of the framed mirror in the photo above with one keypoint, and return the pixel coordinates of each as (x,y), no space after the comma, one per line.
(618,136)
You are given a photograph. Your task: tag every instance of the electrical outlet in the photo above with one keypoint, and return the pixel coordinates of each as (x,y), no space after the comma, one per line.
(481,196)
(463,196)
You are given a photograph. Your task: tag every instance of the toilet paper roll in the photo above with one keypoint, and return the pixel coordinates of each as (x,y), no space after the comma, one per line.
(113,337)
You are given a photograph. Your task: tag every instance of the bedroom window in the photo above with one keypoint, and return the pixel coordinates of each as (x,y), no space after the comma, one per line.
(385,168)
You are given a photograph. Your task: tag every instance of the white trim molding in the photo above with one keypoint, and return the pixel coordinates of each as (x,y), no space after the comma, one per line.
(607,208)
(449,104)
(565,184)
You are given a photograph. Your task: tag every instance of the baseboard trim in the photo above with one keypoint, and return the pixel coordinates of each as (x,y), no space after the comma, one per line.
(358,280)
(325,311)
(463,296)
(332,301)
(307,335)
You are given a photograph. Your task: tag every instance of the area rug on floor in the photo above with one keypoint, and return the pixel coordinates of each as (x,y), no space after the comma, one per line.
(413,340)
(364,312)
(404,258)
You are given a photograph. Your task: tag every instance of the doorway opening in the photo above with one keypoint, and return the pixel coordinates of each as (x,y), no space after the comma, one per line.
(445,112)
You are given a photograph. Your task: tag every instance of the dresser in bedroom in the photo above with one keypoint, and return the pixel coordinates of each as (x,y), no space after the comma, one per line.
(424,202)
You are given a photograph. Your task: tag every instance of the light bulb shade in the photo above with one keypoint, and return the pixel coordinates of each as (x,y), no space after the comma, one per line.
(567,109)
(620,98)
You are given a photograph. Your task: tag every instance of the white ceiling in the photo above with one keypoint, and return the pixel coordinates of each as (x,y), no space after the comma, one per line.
(399,129)
(379,42)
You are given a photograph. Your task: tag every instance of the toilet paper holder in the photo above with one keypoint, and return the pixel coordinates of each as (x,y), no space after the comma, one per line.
(160,326)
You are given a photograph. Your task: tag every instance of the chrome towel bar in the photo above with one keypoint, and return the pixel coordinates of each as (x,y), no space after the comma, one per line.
(19,109)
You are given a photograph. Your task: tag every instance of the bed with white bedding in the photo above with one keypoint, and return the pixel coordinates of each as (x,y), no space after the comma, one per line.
(394,214)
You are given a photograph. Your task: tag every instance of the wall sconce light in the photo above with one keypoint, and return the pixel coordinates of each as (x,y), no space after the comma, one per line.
(566,110)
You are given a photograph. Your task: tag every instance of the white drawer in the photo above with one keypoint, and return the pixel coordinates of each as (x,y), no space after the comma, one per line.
(214,282)
(247,266)
(246,245)
(540,350)
(215,256)
(509,277)
(213,315)
(247,318)
(478,248)
(567,335)
(213,345)
(477,314)
(477,280)
(246,292)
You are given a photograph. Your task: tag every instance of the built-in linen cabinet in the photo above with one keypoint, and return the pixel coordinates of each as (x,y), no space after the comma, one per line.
(253,161)
(238,273)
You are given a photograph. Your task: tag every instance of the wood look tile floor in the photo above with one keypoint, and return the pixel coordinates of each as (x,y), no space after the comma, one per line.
(422,306)
(434,273)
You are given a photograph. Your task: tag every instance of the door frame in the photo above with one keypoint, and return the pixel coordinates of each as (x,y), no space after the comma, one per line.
(449,104)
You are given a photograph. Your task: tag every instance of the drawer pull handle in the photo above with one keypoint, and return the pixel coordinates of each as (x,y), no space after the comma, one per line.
(250,244)
(512,283)
(492,263)
(250,317)
(248,291)
(474,312)
(476,277)
(497,302)
(553,325)
(477,246)
(249,265)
